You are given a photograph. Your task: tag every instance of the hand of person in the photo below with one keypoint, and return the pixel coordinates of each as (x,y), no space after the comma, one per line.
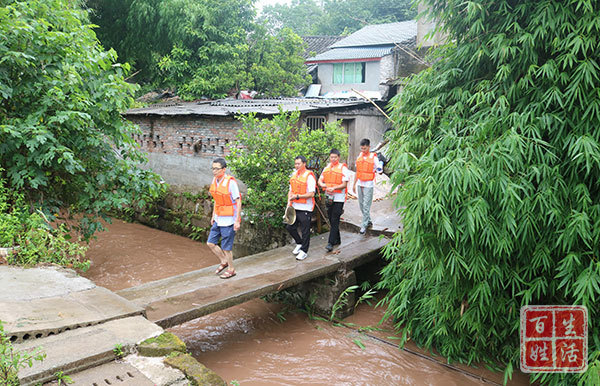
(236,225)
(329,190)
(212,221)
(290,196)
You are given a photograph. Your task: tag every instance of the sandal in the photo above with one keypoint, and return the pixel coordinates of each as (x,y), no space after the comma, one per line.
(221,267)
(227,274)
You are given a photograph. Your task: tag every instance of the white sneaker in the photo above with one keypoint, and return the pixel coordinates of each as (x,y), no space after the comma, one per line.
(301,255)
(297,249)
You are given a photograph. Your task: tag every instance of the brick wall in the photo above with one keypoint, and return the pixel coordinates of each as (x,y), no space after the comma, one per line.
(190,136)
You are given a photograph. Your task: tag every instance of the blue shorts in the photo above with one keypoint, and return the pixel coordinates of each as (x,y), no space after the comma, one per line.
(225,234)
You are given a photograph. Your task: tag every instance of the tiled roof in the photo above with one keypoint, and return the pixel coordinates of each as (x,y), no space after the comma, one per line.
(318,44)
(352,53)
(231,107)
(380,34)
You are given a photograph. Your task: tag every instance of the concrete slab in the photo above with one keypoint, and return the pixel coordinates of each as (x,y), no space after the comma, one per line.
(29,317)
(384,215)
(79,349)
(120,373)
(185,297)
(155,370)
(18,284)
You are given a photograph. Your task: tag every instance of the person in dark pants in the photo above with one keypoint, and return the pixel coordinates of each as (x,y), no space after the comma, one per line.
(301,197)
(334,181)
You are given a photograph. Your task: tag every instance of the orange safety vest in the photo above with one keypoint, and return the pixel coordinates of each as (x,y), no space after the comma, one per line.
(299,185)
(224,206)
(365,166)
(332,176)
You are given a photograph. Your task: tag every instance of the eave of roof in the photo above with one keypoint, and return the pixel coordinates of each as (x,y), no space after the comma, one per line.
(352,54)
(232,107)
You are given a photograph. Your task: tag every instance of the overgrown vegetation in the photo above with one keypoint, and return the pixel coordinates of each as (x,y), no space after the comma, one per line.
(33,239)
(11,360)
(266,160)
(201,48)
(63,142)
(335,17)
(498,149)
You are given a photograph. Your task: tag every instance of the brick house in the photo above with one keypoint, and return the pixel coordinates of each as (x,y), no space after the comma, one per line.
(182,139)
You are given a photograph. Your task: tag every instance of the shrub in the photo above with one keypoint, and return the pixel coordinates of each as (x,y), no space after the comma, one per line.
(264,160)
(498,148)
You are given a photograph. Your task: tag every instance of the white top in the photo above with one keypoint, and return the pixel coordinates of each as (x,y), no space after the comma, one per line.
(311,185)
(234,192)
(377,167)
(341,197)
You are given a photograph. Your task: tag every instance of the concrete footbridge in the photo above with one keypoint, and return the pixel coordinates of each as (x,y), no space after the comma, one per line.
(181,298)
(79,324)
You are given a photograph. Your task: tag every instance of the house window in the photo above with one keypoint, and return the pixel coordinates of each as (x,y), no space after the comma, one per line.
(315,123)
(349,73)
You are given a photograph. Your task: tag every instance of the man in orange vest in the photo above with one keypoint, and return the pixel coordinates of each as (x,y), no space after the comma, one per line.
(367,164)
(226,217)
(334,181)
(301,196)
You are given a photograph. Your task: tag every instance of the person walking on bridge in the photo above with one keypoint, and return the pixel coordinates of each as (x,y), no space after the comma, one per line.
(367,164)
(334,181)
(226,217)
(301,196)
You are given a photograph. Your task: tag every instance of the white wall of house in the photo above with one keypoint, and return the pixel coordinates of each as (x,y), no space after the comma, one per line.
(368,124)
(372,78)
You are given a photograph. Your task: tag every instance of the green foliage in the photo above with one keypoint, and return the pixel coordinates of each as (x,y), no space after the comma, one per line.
(119,351)
(497,148)
(335,17)
(62,378)
(265,159)
(11,360)
(202,48)
(63,142)
(33,237)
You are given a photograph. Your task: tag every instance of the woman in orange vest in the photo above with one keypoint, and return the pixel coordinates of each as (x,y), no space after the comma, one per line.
(367,164)
(301,196)
(334,180)
(226,217)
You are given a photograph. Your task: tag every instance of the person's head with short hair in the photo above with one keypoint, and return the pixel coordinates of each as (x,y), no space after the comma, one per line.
(334,156)
(218,167)
(300,162)
(365,145)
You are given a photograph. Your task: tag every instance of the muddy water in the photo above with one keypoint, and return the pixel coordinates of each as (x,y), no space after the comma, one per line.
(132,254)
(257,343)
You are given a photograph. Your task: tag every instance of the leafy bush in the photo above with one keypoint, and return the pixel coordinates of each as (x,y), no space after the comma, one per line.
(11,361)
(36,240)
(264,160)
(498,148)
(63,142)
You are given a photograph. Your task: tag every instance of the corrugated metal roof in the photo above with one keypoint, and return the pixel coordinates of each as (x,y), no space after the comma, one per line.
(229,107)
(352,53)
(379,34)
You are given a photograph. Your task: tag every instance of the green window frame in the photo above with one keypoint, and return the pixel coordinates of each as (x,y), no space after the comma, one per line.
(346,73)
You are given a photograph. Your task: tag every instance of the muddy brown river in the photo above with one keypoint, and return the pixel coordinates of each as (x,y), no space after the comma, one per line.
(257,343)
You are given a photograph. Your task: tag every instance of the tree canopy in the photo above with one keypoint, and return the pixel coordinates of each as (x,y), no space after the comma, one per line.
(202,48)
(498,150)
(63,142)
(265,159)
(335,17)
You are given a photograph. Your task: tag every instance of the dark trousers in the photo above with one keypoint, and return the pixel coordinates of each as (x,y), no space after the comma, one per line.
(334,212)
(302,221)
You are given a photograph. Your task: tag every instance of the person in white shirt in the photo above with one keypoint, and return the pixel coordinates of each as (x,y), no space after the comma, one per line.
(367,164)
(301,196)
(334,180)
(226,217)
